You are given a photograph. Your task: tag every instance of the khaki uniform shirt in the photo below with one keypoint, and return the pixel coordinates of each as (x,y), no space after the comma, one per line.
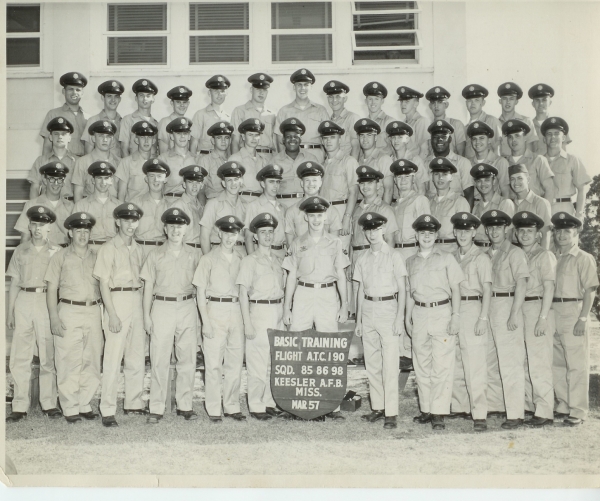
(212,182)
(260,205)
(78,121)
(262,276)
(114,148)
(576,272)
(63,209)
(477,267)
(28,266)
(536,204)
(419,124)
(193,208)
(382,119)
(129,171)
(509,264)
(105,227)
(218,274)
(125,135)
(346,120)
(569,172)
(202,121)
(74,275)
(542,268)
(252,165)
(68,160)
(119,264)
(311,116)
(445,208)
(431,278)
(380,272)
(266,116)
(150,226)
(297,225)
(291,182)
(176,162)
(340,176)
(85,180)
(168,274)
(219,207)
(163,135)
(406,210)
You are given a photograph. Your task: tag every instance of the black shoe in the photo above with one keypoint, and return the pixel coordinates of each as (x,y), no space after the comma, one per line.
(373,416)
(352,362)
(109,421)
(238,416)
(53,413)
(13,417)
(90,416)
(336,416)
(423,418)
(560,415)
(529,414)
(497,414)
(215,419)
(390,423)
(188,415)
(459,415)
(437,422)
(479,425)
(406,364)
(136,412)
(73,419)
(273,411)
(261,416)
(538,422)
(289,417)
(511,424)
(573,421)
(153,418)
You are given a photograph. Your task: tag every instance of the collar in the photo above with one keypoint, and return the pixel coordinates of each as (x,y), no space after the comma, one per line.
(137,114)
(385,248)
(223,198)
(482,116)
(250,106)
(52,156)
(307,238)
(44,198)
(103,115)
(338,155)
(263,200)
(147,197)
(377,202)
(535,250)
(528,154)
(219,155)
(94,196)
(29,245)
(71,250)
(309,105)
(516,116)
(505,247)
(380,116)
(172,153)
(342,114)
(66,107)
(474,250)
(118,241)
(562,154)
(164,248)
(415,116)
(435,250)
(190,200)
(408,195)
(574,251)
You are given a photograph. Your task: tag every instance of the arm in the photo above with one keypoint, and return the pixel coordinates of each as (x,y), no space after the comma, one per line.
(541,327)
(147,307)
(546,236)
(580,200)
(13,291)
(454,325)
(205,239)
(460,148)
(249,239)
(410,304)
(56,326)
(114,322)
(289,238)
(25,236)
(77,192)
(47,147)
(469,194)
(481,326)
(515,311)
(588,300)
(88,146)
(122,191)
(290,288)
(388,189)
(245,306)
(398,328)
(347,219)
(549,189)
(341,286)
(359,303)
(34,190)
(124,149)
(207,330)
(279,143)
(355,148)
(194,146)
(236,142)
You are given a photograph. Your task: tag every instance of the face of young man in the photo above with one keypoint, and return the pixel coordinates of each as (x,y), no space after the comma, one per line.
(54,185)
(181,139)
(440,142)
(144,100)
(259,95)
(408,105)
(311,184)
(180,106)
(367,140)
(232,185)
(541,104)
(228,238)
(480,143)
(80,236)
(291,141)
(519,182)
(102,141)
(404,181)
(426,239)
(554,138)
(337,101)
(475,105)
(496,234)
(316,220)
(145,143)
(508,103)
(111,101)
(271,186)
(438,108)
(217,96)
(464,237)
(565,237)
(102,184)
(441,180)
(73,94)
(484,185)
(374,103)
(156,181)
(375,236)
(302,89)
(251,139)
(39,231)
(399,140)
(127,227)
(192,187)
(368,189)
(264,236)
(331,143)
(527,236)
(516,142)
(60,138)
(221,143)
(176,232)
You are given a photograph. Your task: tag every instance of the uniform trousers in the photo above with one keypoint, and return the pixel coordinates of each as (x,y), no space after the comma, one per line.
(258,354)
(433,357)
(174,322)
(127,344)
(539,390)
(381,354)
(341,209)
(510,347)
(78,355)
(315,306)
(571,361)
(405,340)
(32,327)
(471,370)
(223,358)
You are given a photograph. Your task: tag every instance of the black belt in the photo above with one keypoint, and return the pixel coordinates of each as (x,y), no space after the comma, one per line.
(360,247)
(262,149)
(237,242)
(503,294)
(533,298)
(383,298)
(559,200)
(178,299)
(565,299)
(150,242)
(80,303)
(71,198)
(404,246)
(125,289)
(316,286)
(39,290)
(339,202)
(267,301)
(277,247)
(96,242)
(291,195)
(311,146)
(483,244)
(445,240)
(195,246)
(250,193)
(64,245)
(431,305)
(470,298)
(173,195)
(224,299)
(204,152)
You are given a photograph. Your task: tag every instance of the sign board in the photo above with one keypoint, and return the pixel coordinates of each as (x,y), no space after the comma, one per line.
(309,370)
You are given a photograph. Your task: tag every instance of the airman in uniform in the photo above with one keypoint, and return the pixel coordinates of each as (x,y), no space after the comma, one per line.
(475,95)
(337,95)
(193,180)
(399,134)
(378,159)
(409,102)
(541,98)
(110,91)
(261,282)
(118,266)
(145,94)
(27,314)
(433,321)
(178,156)
(381,274)
(375,94)
(222,324)
(75,320)
(220,139)
(438,104)
(510,94)
(576,285)
(180,102)
(171,317)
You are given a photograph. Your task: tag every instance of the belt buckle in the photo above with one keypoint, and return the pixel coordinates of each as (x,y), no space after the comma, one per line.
(39,289)
(88,303)
(376,299)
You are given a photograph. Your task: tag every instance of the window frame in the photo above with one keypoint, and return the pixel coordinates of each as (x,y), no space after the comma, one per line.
(43,67)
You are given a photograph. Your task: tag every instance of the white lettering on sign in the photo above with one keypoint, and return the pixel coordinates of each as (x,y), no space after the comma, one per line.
(294,381)
(324,342)
(284,369)
(286,341)
(305,404)
(294,356)
(308,392)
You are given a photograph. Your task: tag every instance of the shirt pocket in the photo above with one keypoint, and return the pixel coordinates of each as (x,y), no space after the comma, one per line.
(306,262)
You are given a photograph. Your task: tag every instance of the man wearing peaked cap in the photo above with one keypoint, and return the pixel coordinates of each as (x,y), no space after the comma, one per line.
(399,134)
(193,181)
(576,286)
(27,314)
(438,104)
(375,94)
(509,94)
(170,316)
(510,273)
(475,101)
(75,320)
(308,112)
(118,267)
(571,178)
(541,99)
(409,102)
(376,158)
(380,273)
(72,89)
(261,281)
(433,321)
(220,138)
(222,323)
(255,108)
(538,319)
(180,102)
(178,156)
(337,95)
(203,119)
(145,95)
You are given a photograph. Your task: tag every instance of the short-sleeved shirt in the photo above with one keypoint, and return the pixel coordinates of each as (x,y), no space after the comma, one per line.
(346,120)
(382,119)
(569,172)
(63,208)
(291,182)
(105,227)
(458,136)
(163,135)
(422,176)
(530,137)
(311,116)
(496,126)
(202,121)
(170,275)
(316,262)
(262,276)
(119,264)
(419,124)
(68,160)
(509,264)
(380,272)
(129,171)
(219,207)
(538,167)
(496,203)
(445,208)
(28,266)
(536,204)
(406,210)
(150,226)
(340,176)
(542,148)
(74,275)
(218,274)
(500,163)
(78,121)
(114,147)
(378,206)
(125,135)
(252,165)
(212,162)
(477,267)
(461,180)
(193,208)
(542,268)
(266,116)
(431,278)
(576,271)
(176,162)
(376,159)
(277,210)
(85,180)
(296,224)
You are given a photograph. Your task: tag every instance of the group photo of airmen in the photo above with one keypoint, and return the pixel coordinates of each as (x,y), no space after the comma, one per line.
(453,247)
